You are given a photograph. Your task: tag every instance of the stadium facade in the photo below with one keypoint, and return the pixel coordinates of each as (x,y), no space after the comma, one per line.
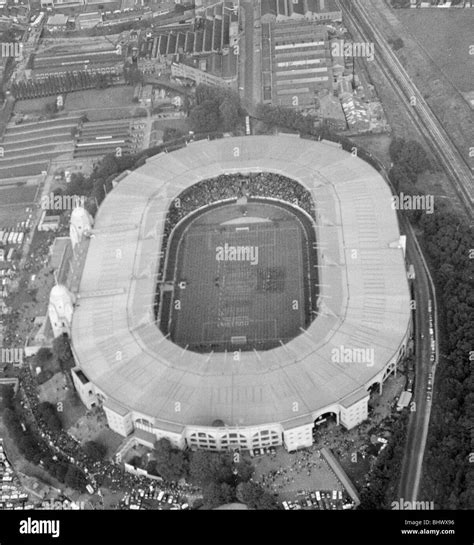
(151,388)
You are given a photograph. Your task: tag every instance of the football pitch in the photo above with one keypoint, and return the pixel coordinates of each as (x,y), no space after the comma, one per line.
(240,283)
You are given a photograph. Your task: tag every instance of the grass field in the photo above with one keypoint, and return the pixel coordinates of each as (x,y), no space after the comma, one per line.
(13,204)
(99,105)
(445,36)
(240,304)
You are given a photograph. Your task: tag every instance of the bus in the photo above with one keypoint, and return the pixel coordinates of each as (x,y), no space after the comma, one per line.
(10,254)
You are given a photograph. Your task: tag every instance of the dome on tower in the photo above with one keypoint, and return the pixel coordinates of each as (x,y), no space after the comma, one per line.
(81,223)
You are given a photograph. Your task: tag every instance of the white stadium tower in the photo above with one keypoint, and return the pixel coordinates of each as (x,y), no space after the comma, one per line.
(151,388)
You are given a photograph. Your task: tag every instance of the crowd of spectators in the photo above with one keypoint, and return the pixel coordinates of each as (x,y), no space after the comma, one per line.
(278,479)
(233,186)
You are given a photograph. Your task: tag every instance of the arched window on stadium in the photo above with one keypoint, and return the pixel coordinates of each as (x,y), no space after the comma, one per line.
(144,424)
(202,440)
(265,438)
(233,439)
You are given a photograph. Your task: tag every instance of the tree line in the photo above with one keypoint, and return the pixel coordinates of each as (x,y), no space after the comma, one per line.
(448,472)
(59,83)
(224,477)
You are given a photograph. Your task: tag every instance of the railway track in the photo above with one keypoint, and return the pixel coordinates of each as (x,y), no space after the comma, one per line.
(459,172)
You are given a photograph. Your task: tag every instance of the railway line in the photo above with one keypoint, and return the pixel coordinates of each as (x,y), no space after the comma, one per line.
(459,172)
(426,327)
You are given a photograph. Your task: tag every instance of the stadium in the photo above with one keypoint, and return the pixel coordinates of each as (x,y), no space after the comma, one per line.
(237,291)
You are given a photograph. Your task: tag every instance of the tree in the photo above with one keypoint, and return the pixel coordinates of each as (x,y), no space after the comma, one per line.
(43,356)
(215,494)
(253,495)
(47,411)
(7,395)
(244,471)
(170,133)
(95,450)
(409,157)
(205,117)
(29,448)
(230,113)
(215,467)
(75,478)
(171,463)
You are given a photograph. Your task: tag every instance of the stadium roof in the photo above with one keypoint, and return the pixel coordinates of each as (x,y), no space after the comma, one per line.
(364,297)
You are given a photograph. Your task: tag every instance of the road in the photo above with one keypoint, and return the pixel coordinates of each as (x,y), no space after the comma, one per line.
(249,65)
(420,407)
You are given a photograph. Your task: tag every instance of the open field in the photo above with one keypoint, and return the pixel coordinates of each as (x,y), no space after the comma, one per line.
(112,103)
(18,195)
(13,204)
(445,36)
(33,105)
(240,303)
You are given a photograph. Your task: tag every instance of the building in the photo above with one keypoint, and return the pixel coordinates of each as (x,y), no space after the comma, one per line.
(310,10)
(183,71)
(80,225)
(105,61)
(57,22)
(141,378)
(356,112)
(209,44)
(88,20)
(60,309)
(300,64)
